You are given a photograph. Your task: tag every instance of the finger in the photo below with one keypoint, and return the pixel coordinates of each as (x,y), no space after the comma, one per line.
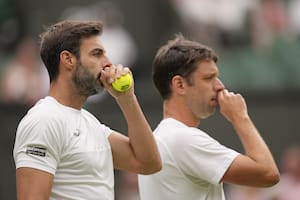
(111,74)
(221,95)
(226,93)
(119,71)
(105,75)
(125,71)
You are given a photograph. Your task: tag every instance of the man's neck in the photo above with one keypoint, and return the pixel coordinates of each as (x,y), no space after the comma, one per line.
(66,95)
(179,111)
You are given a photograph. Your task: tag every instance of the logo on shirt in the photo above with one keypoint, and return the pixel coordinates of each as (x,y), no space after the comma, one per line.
(38,151)
(77,132)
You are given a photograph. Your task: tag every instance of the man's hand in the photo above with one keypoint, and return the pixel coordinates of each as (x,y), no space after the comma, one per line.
(232,106)
(109,74)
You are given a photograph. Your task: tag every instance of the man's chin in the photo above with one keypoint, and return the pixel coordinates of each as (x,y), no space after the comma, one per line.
(90,92)
(208,114)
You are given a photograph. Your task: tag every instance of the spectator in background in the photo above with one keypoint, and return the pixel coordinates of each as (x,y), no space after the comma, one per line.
(24,80)
(267,22)
(215,22)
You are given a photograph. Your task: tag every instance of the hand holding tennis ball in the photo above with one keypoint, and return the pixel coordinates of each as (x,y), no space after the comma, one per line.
(123,83)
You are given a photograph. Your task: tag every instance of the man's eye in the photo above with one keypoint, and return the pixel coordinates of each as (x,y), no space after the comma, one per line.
(97,54)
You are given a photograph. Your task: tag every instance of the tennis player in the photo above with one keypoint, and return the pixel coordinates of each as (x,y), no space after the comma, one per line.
(61,150)
(194,164)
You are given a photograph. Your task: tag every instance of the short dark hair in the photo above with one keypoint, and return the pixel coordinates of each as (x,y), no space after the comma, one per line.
(65,35)
(178,57)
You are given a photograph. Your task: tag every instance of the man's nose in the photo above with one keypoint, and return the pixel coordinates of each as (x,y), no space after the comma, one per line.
(106,62)
(219,85)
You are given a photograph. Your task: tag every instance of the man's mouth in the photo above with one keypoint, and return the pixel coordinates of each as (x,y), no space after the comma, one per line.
(214,100)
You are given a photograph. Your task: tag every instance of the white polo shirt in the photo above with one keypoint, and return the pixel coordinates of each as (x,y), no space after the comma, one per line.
(70,144)
(193,165)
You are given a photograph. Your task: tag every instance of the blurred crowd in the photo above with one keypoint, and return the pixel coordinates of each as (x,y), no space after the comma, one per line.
(256,40)
(24,80)
(223,24)
(230,23)
(259,25)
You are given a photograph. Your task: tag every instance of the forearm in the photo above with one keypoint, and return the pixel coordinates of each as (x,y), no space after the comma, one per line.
(254,145)
(257,167)
(140,135)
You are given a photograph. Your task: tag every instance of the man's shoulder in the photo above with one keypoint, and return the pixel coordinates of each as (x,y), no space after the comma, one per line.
(43,110)
(174,127)
(175,133)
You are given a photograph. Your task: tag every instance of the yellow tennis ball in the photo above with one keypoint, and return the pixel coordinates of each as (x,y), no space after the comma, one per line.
(123,83)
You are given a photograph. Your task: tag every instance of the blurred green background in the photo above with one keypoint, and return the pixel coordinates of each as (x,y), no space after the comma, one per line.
(258,57)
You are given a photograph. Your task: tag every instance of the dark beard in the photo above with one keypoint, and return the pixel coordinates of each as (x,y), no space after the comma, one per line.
(86,83)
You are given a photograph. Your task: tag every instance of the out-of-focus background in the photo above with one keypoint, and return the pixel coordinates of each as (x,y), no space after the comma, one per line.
(258,43)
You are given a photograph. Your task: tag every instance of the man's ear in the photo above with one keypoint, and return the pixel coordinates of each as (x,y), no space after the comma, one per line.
(67,59)
(178,84)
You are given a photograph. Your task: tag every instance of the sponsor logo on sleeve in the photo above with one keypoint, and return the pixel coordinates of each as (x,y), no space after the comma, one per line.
(37,151)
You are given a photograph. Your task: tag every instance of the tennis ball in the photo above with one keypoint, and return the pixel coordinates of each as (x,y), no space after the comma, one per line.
(123,83)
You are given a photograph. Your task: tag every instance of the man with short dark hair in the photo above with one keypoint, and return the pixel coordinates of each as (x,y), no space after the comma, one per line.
(61,150)
(194,164)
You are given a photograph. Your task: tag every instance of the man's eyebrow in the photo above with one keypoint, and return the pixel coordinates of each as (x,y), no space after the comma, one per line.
(211,74)
(98,50)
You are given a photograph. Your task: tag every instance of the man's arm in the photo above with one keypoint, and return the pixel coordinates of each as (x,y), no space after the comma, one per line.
(138,152)
(257,167)
(33,184)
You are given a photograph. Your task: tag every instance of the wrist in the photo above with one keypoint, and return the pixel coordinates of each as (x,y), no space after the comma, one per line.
(241,120)
(127,97)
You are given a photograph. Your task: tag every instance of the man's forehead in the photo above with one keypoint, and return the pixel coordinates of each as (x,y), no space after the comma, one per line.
(93,42)
(208,66)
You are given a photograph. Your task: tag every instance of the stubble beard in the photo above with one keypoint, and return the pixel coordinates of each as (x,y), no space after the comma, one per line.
(207,112)
(85,82)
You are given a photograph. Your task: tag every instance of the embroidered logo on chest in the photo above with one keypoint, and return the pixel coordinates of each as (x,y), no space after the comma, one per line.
(76,132)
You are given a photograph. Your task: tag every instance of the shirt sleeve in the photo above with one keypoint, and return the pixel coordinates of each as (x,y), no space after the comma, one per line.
(38,143)
(202,157)
(106,130)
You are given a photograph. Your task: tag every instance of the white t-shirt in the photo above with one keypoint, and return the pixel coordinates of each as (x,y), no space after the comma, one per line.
(72,145)
(193,165)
